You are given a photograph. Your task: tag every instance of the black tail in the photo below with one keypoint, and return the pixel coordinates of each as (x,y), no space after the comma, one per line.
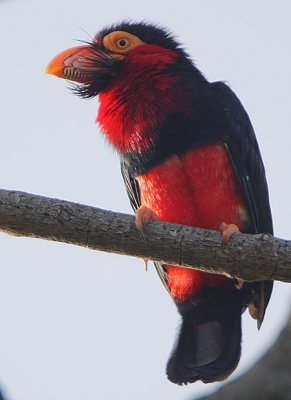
(208,346)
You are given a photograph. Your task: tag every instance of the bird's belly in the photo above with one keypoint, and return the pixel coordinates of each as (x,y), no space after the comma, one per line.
(199,189)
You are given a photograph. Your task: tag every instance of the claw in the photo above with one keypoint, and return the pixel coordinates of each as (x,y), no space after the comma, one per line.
(227,230)
(142,216)
(239,283)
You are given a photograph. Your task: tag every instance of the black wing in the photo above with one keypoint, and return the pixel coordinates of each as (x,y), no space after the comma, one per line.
(131,185)
(244,154)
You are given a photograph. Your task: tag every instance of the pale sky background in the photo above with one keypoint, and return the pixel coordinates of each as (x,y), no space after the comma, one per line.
(78,324)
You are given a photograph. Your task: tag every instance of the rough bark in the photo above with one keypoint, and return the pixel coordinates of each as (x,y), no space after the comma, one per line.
(250,257)
(268,379)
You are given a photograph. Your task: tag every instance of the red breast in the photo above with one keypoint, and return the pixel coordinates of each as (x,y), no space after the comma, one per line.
(199,189)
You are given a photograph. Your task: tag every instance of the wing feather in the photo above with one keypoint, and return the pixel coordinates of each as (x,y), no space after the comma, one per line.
(244,154)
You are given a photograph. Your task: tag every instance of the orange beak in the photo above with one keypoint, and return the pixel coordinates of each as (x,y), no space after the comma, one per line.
(75,64)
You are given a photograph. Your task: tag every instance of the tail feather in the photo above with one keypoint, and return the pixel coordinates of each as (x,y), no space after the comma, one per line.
(208,346)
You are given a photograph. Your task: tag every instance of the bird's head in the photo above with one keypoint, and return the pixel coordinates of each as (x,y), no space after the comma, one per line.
(120,49)
(142,75)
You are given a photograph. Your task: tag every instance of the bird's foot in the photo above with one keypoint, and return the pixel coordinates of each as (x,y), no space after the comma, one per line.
(142,216)
(227,230)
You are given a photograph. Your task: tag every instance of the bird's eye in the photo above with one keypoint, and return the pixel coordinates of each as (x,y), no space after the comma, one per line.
(122,43)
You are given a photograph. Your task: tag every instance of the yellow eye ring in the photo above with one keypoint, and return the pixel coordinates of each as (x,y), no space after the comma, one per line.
(121,42)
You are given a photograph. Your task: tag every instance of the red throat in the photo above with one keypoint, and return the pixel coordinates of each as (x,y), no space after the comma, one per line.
(136,104)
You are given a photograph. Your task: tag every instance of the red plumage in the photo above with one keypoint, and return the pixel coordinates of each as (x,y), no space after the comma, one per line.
(125,113)
(197,188)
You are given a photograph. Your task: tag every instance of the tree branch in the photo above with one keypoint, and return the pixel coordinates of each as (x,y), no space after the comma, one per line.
(250,257)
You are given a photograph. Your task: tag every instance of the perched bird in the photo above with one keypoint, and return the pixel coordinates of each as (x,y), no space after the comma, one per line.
(188,155)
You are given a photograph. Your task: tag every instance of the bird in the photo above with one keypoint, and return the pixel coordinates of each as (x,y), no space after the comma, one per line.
(188,155)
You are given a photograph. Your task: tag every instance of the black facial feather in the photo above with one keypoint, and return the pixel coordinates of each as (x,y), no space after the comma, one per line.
(103,67)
